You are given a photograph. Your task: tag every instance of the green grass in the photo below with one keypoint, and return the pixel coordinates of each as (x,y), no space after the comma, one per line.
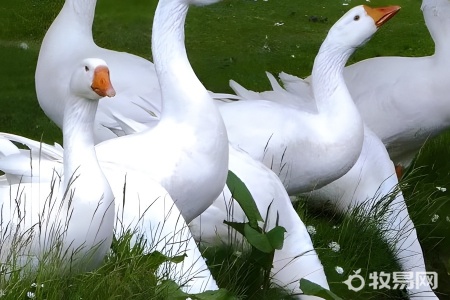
(234,39)
(361,247)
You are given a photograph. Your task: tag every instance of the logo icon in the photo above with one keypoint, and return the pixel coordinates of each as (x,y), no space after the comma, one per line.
(356,277)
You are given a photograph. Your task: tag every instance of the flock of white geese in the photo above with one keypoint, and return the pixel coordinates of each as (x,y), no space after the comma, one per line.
(163,174)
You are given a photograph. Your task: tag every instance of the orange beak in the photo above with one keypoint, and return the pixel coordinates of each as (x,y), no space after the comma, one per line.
(102,83)
(381,14)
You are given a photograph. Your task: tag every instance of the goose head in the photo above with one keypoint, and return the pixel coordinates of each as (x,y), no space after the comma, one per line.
(356,26)
(91,80)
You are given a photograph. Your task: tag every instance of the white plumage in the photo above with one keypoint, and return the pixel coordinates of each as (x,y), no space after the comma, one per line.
(318,140)
(70,214)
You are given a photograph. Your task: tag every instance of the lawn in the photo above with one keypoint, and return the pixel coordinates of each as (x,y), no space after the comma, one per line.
(240,40)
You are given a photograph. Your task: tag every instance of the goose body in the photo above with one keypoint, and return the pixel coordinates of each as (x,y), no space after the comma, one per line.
(145,208)
(69,39)
(267,190)
(70,216)
(187,151)
(371,181)
(142,207)
(310,147)
(391,103)
(297,259)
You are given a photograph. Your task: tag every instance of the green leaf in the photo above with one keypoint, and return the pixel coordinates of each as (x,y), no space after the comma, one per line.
(160,258)
(276,237)
(257,239)
(313,289)
(221,294)
(261,259)
(245,199)
(168,289)
(239,227)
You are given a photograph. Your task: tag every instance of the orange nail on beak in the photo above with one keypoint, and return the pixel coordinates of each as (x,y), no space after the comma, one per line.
(381,14)
(102,83)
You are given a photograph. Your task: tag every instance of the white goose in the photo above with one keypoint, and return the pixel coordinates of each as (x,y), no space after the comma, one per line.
(371,180)
(69,39)
(404,100)
(409,102)
(311,147)
(142,205)
(372,176)
(73,214)
(187,151)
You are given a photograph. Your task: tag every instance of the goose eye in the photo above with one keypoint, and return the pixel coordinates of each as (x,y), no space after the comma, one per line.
(356,18)
(86,68)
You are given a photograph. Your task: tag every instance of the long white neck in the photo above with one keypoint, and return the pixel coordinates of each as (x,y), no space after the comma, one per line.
(327,80)
(74,21)
(87,216)
(78,141)
(71,30)
(437,19)
(183,95)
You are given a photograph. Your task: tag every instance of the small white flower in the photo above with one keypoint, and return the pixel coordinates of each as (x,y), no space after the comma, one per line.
(434,218)
(31,295)
(34,284)
(293,56)
(442,189)
(23,46)
(278,24)
(345,4)
(335,227)
(311,229)
(335,247)
(447,218)
(339,270)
